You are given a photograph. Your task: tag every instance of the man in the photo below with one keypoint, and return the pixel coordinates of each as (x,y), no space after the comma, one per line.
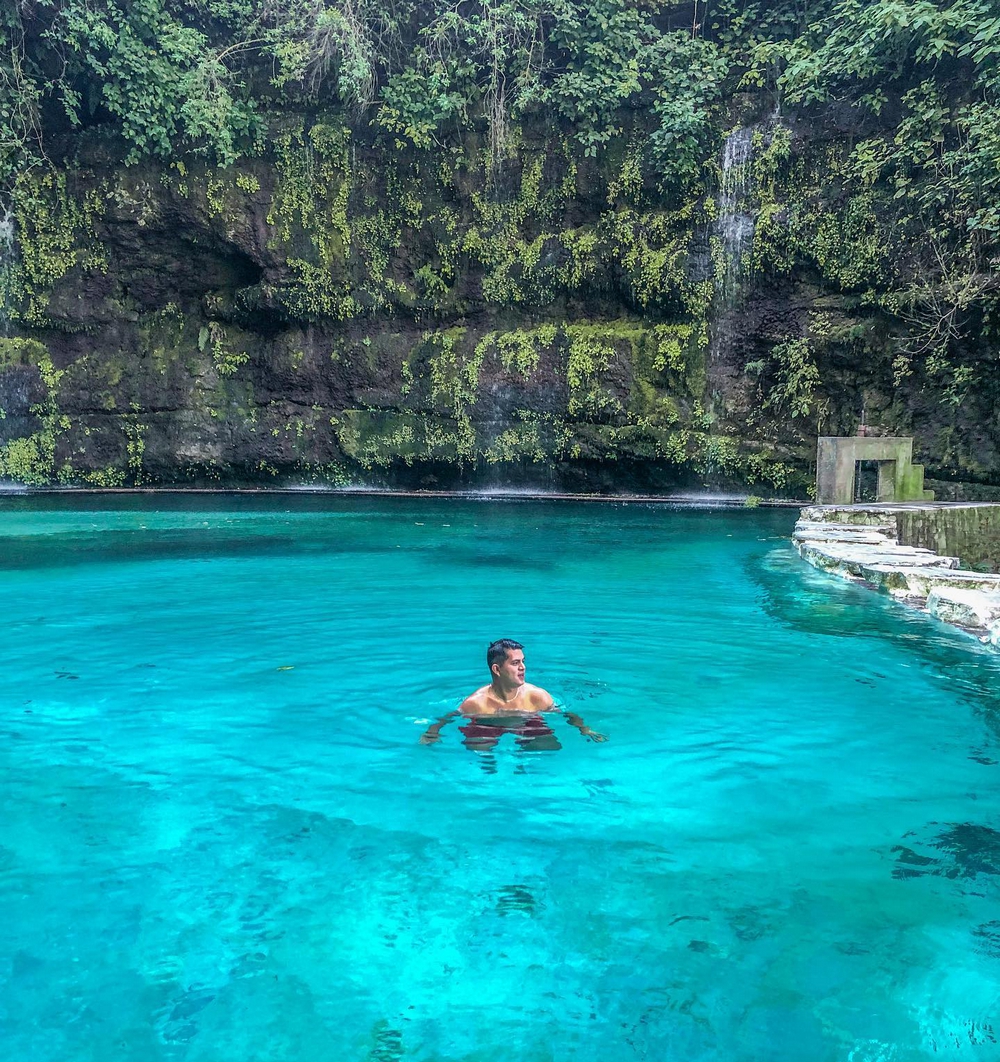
(507,704)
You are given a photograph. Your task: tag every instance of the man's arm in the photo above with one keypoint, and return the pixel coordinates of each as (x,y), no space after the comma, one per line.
(433,732)
(574,720)
(545,703)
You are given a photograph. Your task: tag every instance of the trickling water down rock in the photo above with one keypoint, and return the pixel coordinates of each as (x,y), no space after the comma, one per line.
(735,224)
(7,252)
(738,206)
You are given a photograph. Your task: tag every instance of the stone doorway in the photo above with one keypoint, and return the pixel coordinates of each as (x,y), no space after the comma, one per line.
(850,469)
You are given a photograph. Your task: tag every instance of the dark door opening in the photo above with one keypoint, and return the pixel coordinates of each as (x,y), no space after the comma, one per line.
(866,481)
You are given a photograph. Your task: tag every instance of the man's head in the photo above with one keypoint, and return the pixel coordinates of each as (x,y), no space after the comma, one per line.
(505,659)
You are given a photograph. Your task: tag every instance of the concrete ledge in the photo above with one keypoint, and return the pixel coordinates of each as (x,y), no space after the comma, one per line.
(862,544)
(970,530)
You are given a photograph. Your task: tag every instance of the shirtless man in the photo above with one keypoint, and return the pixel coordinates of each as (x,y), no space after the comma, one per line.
(508,703)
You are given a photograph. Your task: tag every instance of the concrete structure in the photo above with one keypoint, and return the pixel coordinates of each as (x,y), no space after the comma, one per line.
(837,457)
(867,544)
(969,530)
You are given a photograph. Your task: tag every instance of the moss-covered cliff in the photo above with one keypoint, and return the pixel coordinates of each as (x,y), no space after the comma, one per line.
(678,286)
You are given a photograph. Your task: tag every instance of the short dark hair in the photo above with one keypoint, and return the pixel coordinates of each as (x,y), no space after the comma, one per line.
(497,652)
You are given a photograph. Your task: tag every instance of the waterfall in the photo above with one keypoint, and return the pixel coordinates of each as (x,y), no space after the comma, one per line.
(8,251)
(734,230)
(735,224)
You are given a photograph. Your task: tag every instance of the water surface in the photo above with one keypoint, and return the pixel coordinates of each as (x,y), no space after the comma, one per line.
(220,839)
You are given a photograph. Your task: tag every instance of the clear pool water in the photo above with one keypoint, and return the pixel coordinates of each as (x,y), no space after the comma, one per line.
(221,841)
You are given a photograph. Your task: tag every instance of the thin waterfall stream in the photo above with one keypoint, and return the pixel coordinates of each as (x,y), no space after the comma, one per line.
(8,250)
(736,220)
(735,227)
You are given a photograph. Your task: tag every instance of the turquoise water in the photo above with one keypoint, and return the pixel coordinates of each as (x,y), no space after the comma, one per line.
(220,839)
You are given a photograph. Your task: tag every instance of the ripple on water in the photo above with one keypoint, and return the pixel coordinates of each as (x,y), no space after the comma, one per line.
(223,833)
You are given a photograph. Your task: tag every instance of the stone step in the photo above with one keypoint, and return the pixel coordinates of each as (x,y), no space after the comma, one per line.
(852,517)
(832,554)
(861,544)
(919,582)
(819,532)
(977,609)
(857,529)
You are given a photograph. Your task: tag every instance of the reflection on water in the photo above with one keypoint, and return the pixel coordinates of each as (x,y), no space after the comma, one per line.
(812,602)
(532,733)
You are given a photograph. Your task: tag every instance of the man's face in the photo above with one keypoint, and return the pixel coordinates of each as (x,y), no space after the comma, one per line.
(512,669)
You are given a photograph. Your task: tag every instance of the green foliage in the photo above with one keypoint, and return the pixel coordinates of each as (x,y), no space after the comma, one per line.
(518,351)
(606,46)
(924,191)
(521,441)
(501,163)
(415,103)
(55,235)
(651,249)
(860,48)
(228,359)
(796,379)
(31,459)
(156,74)
(186,77)
(309,218)
(691,76)
(352,43)
(588,357)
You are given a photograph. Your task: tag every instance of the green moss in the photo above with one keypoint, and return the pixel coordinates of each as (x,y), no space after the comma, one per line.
(135,445)
(521,441)
(377,439)
(25,352)
(227,356)
(168,336)
(519,351)
(588,356)
(32,459)
(104,478)
(582,246)
(652,249)
(55,234)
(247,183)
(628,183)
(314,293)
(29,460)
(309,221)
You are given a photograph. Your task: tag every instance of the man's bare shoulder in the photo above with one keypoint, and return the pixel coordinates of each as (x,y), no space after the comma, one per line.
(539,698)
(475,702)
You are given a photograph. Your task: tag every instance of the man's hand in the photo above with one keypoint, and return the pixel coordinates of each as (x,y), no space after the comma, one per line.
(574,720)
(592,734)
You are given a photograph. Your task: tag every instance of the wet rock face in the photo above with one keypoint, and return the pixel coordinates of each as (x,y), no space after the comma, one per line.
(342,311)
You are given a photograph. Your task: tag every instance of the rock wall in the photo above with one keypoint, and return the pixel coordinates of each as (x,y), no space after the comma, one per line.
(347,308)
(969,532)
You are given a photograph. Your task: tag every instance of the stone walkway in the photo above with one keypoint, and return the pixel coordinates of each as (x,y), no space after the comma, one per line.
(861,545)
